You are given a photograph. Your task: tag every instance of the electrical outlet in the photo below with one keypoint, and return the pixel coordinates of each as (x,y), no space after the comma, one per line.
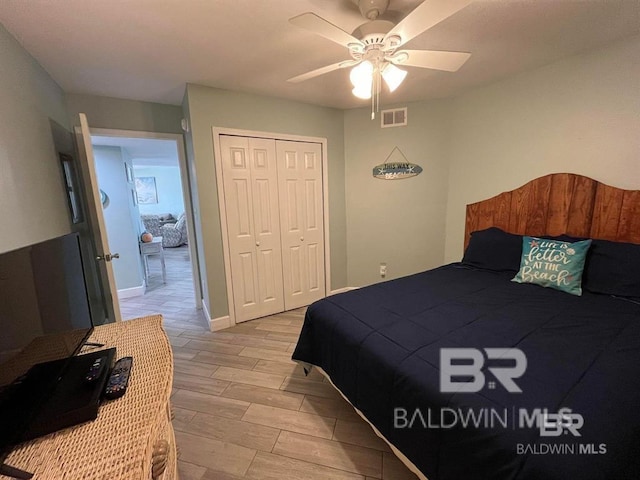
(383,270)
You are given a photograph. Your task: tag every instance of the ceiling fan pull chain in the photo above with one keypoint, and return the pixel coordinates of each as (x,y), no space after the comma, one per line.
(373,97)
(375,92)
(378,89)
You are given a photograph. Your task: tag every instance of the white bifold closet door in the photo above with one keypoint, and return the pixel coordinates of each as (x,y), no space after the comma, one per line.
(301,221)
(253,225)
(274,209)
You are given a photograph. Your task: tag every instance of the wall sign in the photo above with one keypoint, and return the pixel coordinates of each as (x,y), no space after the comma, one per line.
(398,169)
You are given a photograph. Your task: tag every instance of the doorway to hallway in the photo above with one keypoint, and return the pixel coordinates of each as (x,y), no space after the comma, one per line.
(143,175)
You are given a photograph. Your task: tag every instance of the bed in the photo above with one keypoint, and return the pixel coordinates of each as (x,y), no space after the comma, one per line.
(381,346)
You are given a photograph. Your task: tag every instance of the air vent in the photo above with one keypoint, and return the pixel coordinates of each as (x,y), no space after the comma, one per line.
(393,118)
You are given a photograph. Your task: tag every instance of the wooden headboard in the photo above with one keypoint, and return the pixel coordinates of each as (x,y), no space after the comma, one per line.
(561,203)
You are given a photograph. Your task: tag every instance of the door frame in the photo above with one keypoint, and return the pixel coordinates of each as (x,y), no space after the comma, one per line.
(217,155)
(186,192)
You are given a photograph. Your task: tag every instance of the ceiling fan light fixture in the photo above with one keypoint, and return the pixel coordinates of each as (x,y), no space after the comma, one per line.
(393,76)
(361,75)
(362,92)
(373,46)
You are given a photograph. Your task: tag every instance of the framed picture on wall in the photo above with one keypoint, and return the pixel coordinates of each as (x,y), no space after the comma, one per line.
(71,186)
(146,190)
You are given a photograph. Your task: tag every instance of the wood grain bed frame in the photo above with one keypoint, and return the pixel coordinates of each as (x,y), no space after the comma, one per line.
(561,203)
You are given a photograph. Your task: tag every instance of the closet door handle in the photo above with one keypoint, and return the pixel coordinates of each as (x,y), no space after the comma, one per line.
(302,239)
(257,244)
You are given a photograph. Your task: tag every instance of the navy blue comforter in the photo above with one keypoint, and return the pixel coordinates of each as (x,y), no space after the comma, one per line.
(381,344)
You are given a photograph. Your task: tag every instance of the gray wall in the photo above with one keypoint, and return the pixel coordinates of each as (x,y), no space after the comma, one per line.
(121,114)
(578,115)
(33,206)
(398,222)
(210,107)
(122,231)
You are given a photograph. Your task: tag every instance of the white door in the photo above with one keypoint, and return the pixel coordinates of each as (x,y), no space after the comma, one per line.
(96,220)
(253,225)
(301,219)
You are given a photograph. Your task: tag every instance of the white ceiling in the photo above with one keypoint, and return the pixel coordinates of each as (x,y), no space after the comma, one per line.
(149,49)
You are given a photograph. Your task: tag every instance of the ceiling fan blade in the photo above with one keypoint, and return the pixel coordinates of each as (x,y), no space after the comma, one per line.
(319,26)
(321,71)
(425,16)
(447,61)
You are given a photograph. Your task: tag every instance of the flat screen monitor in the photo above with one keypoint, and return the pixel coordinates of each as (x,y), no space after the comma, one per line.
(44,316)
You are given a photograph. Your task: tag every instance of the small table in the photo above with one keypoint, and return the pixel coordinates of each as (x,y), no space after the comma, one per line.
(132,438)
(154,247)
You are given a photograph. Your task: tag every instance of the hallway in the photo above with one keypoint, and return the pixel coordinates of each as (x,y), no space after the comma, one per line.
(175,300)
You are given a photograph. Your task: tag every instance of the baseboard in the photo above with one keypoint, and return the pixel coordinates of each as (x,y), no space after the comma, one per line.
(205,313)
(220,323)
(131,292)
(342,290)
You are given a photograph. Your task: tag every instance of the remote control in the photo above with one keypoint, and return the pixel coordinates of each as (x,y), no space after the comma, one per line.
(95,370)
(119,378)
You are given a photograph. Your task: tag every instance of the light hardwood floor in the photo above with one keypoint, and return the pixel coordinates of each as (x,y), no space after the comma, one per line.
(245,410)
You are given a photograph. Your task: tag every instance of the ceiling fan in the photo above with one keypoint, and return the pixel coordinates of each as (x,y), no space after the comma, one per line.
(374,46)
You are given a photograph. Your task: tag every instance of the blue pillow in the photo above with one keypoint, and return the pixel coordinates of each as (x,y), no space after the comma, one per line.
(494,249)
(553,263)
(613,268)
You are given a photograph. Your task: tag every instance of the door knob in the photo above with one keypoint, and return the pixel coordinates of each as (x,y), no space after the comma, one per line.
(108,257)
(257,244)
(302,239)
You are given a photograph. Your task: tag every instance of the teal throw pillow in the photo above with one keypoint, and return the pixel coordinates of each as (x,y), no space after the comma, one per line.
(553,263)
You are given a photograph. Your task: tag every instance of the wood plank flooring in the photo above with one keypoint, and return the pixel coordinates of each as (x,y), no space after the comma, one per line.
(245,410)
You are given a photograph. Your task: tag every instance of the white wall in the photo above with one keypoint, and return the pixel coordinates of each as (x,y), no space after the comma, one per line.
(398,222)
(579,115)
(168,186)
(122,231)
(33,206)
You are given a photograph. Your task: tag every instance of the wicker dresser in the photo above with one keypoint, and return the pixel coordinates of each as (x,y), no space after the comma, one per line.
(132,438)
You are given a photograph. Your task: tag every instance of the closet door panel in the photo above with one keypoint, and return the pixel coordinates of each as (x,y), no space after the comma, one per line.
(267,225)
(236,173)
(314,237)
(301,216)
(250,192)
